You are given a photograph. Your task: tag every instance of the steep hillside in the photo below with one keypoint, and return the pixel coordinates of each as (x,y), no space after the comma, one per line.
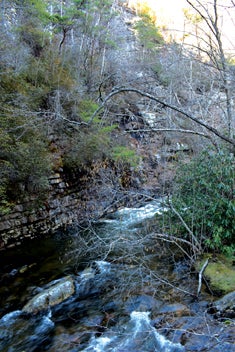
(97,111)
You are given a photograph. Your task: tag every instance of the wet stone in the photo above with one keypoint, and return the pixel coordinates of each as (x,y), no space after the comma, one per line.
(224,306)
(93,321)
(142,303)
(97,317)
(176,309)
(57,293)
(19,333)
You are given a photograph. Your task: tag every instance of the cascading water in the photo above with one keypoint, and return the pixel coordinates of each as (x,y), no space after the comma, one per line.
(127,217)
(136,336)
(24,330)
(87,303)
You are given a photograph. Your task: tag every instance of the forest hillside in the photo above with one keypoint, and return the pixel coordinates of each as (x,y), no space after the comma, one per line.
(94,91)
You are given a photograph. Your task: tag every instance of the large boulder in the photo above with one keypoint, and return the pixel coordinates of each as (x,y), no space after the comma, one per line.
(58,292)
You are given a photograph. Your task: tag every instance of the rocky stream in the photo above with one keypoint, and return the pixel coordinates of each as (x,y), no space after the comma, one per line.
(106,287)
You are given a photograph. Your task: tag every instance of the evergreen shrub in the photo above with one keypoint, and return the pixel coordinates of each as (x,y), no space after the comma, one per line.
(204,195)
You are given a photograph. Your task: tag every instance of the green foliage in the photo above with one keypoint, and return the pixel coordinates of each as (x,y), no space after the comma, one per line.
(86,109)
(94,142)
(85,147)
(97,5)
(39,97)
(148,33)
(204,195)
(47,75)
(35,8)
(90,143)
(31,167)
(33,37)
(65,16)
(125,156)
(33,22)
(96,27)
(24,164)
(35,85)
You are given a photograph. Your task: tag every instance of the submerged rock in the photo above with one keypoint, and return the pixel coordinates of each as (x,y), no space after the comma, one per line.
(58,292)
(18,332)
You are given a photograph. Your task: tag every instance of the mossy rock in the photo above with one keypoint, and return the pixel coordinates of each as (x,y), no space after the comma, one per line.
(220,274)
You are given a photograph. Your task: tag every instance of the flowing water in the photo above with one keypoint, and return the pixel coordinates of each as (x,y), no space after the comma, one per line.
(108,267)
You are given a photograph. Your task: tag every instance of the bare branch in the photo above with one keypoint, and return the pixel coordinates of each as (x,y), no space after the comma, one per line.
(209,21)
(217,47)
(171,285)
(200,276)
(177,240)
(178,130)
(164,104)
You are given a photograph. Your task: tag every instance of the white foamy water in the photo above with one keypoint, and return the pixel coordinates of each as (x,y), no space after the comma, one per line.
(136,336)
(130,216)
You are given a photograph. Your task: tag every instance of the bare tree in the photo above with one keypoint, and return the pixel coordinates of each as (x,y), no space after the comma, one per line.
(166,105)
(212,48)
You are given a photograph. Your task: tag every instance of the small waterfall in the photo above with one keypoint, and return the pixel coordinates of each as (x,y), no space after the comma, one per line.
(102,266)
(127,217)
(142,324)
(135,336)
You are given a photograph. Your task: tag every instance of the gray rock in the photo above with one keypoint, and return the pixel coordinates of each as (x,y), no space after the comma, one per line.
(224,307)
(176,309)
(53,295)
(142,303)
(227,301)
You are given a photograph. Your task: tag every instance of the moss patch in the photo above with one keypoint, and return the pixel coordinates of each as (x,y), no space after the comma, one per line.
(220,274)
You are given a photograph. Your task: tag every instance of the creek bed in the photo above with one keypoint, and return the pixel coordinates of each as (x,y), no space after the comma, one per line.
(128,293)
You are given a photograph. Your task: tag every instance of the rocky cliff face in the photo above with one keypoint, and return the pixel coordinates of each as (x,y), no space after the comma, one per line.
(89,194)
(23,222)
(72,198)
